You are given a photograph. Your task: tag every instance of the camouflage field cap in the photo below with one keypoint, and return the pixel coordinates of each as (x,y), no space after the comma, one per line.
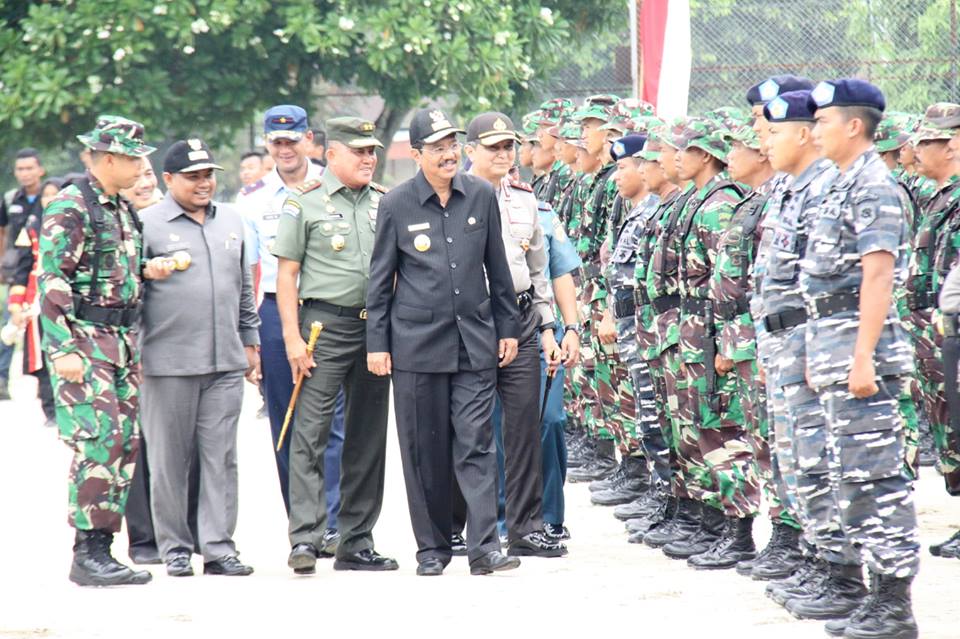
(624,114)
(894,131)
(592,111)
(728,117)
(745,135)
(651,149)
(706,135)
(570,131)
(673,133)
(603,99)
(115,134)
(552,111)
(928,133)
(944,115)
(530,122)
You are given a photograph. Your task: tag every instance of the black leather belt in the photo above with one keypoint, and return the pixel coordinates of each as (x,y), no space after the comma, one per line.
(951,325)
(342,311)
(833,304)
(125,316)
(640,296)
(270,296)
(665,303)
(525,300)
(919,300)
(783,320)
(623,303)
(733,309)
(694,305)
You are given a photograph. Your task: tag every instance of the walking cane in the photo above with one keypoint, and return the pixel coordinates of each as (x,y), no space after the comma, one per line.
(315,329)
(546,390)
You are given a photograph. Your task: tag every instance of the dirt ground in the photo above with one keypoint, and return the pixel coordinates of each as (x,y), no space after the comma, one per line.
(605,587)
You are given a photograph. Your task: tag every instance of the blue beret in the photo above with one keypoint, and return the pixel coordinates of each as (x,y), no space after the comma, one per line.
(847,92)
(792,106)
(770,88)
(627,146)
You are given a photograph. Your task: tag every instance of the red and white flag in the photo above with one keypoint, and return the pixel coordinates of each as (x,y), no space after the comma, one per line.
(665,55)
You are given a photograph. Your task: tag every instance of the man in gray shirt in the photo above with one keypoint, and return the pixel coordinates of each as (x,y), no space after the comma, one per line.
(199,339)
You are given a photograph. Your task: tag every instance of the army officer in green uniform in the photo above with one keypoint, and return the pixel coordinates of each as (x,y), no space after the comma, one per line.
(325,238)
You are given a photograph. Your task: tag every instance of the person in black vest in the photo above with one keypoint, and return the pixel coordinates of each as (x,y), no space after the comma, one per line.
(442,335)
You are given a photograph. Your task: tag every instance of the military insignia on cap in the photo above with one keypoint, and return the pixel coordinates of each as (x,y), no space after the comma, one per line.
(769,90)
(367,127)
(281,120)
(822,94)
(499,125)
(437,115)
(778,108)
(195,144)
(618,149)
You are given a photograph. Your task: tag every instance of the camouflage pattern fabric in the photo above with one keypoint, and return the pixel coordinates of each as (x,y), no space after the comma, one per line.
(114,134)
(97,418)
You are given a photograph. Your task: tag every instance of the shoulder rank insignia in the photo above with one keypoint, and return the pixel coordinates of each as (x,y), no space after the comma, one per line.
(250,188)
(523,186)
(378,187)
(310,185)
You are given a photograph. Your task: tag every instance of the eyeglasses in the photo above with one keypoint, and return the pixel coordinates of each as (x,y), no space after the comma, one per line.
(505,149)
(437,151)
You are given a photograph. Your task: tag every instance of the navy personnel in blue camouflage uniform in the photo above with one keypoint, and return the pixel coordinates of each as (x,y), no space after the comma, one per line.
(858,355)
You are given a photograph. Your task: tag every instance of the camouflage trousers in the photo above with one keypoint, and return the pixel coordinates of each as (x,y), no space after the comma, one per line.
(806,426)
(753,399)
(714,442)
(931,382)
(683,484)
(99,420)
(608,376)
(579,396)
(874,496)
(651,443)
(664,423)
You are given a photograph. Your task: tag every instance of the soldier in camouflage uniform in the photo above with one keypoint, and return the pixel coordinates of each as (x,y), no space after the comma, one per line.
(547,186)
(609,414)
(730,291)
(90,283)
(632,479)
(947,439)
(712,440)
(857,357)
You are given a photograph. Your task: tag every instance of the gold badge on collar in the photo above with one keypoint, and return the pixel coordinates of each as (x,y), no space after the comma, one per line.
(421,243)
(338,242)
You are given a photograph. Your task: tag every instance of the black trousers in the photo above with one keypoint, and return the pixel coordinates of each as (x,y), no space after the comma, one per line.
(443,426)
(341,357)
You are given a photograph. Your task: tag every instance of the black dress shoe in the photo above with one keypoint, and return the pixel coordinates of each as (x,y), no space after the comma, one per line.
(303,559)
(145,555)
(430,568)
(229,566)
(458,547)
(493,561)
(366,559)
(178,565)
(536,544)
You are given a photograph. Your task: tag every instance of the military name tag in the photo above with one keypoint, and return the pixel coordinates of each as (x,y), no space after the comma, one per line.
(421,242)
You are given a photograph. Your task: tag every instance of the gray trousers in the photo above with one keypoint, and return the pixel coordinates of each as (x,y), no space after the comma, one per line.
(341,358)
(183,417)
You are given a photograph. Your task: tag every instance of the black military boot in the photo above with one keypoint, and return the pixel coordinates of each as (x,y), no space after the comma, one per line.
(840,595)
(735,545)
(805,581)
(948,548)
(836,627)
(634,482)
(927,455)
(782,555)
(93,565)
(603,465)
(612,481)
(711,526)
(891,614)
(581,453)
(684,523)
(643,505)
(665,511)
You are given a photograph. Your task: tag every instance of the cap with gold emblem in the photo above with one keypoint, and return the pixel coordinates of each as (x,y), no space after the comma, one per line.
(430,125)
(357,133)
(491,128)
(189,155)
(287,121)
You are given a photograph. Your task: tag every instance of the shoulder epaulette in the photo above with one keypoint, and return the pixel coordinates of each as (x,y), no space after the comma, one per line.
(309,185)
(250,188)
(378,187)
(523,186)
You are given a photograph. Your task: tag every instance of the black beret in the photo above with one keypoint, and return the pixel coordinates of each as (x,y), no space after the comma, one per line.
(770,88)
(847,92)
(792,106)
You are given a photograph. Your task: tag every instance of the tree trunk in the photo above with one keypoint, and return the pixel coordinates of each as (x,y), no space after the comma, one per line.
(387,125)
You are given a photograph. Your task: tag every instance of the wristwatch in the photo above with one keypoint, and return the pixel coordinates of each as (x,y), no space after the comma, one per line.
(571,327)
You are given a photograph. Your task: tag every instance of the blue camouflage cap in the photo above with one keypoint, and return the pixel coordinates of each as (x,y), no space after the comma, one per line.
(627,146)
(847,92)
(763,92)
(792,106)
(285,121)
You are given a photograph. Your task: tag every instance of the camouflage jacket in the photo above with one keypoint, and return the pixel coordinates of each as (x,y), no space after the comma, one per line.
(663,272)
(557,182)
(573,207)
(647,334)
(730,285)
(595,229)
(620,269)
(67,255)
(703,220)
(861,213)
